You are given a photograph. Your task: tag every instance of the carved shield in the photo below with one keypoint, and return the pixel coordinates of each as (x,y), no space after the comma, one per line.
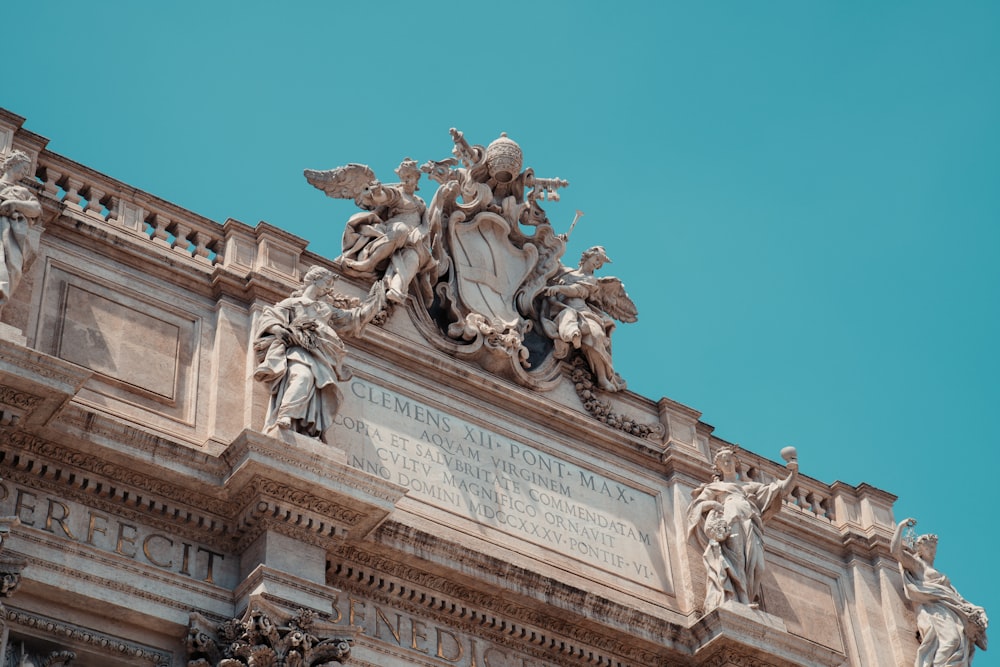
(489,269)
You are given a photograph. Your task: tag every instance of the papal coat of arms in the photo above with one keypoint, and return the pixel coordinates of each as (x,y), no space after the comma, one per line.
(481,266)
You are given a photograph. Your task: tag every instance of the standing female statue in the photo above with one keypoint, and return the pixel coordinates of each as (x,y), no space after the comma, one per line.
(300,353)
(727,516)
(949,627)
(18,207)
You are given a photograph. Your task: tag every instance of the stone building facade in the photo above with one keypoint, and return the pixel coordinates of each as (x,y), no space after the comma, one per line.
(460,511)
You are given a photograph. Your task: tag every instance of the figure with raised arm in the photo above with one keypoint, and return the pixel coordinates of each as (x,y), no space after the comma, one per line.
(949,627)
(727,517)
(579,312)
(300,352)
(18,210)
(389,240)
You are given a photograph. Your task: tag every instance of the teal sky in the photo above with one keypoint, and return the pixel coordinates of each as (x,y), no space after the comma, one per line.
(802,198)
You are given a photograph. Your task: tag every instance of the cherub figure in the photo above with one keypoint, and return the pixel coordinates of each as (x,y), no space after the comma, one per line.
(299,351)
(390,240)
(18,210)
(949,626)
(579,311)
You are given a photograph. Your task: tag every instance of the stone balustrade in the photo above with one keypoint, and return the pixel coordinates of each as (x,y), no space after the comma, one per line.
(82,191)
(808,495)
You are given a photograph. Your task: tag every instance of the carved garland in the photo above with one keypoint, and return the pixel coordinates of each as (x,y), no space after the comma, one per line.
(583,382)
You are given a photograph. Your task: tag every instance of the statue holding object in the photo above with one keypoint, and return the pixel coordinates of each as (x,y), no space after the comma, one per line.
(727,517)
(949,626)
(480,265)
(300,352)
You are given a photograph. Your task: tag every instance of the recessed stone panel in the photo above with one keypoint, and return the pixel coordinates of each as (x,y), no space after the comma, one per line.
(805,603)
(142,349)
(120,342)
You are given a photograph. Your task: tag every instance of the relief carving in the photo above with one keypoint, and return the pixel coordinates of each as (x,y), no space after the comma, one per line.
(264,637)
(949,626)
(482,263)
(300,353)
(727,517)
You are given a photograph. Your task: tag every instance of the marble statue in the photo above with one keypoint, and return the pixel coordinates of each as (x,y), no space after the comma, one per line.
(948,626)
(727,517)
(580,312)
(390,239)
(490,273)
(18,209)
(301,355)
(480,267)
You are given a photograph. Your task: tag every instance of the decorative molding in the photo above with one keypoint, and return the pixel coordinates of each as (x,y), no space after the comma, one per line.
(62,632)
(264,635)
(535,631)
(583,382)
(18,399)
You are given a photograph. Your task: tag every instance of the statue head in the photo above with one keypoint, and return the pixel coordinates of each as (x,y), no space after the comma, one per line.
(319,275)
(15,160)
(926,547)
(409,173)
(504,159)
(726,463)
(595,256)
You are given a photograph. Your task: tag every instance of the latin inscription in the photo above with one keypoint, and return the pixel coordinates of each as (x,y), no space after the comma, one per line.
(512,486)
(78,523)
(411,633)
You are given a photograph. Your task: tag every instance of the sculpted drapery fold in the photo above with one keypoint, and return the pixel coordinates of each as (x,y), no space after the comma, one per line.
(18,210)
(727,518)
(300,353)
(949,626)
(481,264)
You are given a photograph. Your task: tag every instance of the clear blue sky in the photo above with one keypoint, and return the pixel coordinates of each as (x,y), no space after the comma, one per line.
(802,198)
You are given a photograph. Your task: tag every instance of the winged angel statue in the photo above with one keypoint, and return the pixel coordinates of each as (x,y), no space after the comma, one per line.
(580,312)
(390,238)
(482,262)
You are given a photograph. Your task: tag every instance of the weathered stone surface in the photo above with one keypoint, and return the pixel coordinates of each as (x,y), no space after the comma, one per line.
(487,493)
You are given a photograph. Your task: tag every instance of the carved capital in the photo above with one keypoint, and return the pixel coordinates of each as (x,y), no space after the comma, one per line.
(266,635)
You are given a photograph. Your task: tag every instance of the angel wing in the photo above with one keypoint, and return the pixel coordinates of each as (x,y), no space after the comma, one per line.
(345,182)
(610,297)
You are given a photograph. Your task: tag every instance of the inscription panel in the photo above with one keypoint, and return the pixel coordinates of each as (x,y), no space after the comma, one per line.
(78,523)
(511,486)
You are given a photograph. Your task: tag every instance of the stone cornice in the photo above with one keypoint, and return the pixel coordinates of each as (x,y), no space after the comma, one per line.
(92,640)
(563,624)
(257,483)
(553,639)
(736,634)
